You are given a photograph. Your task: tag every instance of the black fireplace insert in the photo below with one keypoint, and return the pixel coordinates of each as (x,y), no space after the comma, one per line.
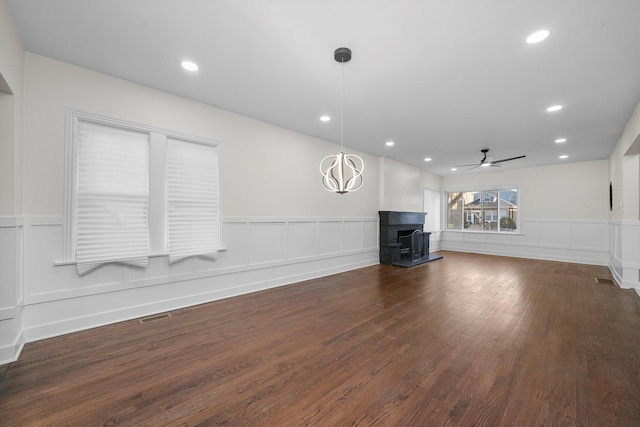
(403,241)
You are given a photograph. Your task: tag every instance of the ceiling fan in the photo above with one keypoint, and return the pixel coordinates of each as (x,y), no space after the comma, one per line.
(484,162)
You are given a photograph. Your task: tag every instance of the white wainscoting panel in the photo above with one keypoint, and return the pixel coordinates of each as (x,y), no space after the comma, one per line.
(8,273)
(268,242)
(11,283)
(579,241)
(44,281)
(556,234)
(631,244)
(302,240)
(260,253)
(588,235)
(329,237)
(235,257)
(160,270)
(530,233)
(615,250)
(435,241)
(624,253)
(352,236)
(370,234)
(615,239)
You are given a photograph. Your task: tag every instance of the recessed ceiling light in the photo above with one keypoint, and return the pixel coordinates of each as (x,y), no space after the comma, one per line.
(561,140)
(554,108)
(538,36)
(325,118)
(454,169)
(427,159)
(564,156)
(389,143)
(190,66)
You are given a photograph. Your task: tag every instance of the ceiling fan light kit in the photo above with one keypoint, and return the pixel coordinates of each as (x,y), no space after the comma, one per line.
(342,173)
(486,163)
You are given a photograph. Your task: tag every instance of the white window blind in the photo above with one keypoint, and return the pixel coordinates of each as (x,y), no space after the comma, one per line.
(192,199)
(112,196)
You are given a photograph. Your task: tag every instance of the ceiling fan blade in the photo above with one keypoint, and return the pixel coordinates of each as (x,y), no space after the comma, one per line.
(506,160)
(472,167)
(495,166)
(464,166)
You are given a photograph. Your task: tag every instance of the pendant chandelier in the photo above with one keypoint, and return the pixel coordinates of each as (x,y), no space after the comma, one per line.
(342,173)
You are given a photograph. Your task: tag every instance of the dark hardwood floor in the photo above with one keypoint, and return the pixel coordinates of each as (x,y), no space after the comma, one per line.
(471,340)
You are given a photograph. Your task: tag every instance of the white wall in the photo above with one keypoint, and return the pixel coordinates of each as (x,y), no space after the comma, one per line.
(268,170)
(11,232)
(563,191)
(624,219)
(399,183)
(563,213)
(401,186)
(11,96)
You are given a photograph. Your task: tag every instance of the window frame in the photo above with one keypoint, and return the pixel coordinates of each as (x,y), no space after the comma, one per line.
(483,191)
(157,179)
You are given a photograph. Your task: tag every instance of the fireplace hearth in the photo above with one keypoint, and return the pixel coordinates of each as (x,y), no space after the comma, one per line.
(403,242)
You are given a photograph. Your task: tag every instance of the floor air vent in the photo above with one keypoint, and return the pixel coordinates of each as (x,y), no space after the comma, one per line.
(155,317)
(603,280)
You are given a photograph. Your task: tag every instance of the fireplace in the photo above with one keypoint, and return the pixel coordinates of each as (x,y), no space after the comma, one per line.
(403,242)
(412,243)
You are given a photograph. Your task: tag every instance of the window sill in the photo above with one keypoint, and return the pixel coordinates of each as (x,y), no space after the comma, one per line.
(501,233)
(73,261)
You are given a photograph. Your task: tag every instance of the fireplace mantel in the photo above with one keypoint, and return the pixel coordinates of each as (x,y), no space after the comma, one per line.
(401,218)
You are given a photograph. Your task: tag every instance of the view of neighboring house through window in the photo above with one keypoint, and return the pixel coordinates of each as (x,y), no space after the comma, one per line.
(487,210)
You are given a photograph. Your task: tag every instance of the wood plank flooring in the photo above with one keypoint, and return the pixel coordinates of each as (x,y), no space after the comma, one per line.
(471,340)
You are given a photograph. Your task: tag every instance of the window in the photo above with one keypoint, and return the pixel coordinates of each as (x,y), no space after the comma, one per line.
(487,210)
(111,196)
(192,196)
(133,191)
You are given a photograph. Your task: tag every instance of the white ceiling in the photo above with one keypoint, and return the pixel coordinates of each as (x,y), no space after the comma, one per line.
(443,79)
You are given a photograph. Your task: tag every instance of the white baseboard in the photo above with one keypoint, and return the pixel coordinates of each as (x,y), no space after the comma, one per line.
(9,353)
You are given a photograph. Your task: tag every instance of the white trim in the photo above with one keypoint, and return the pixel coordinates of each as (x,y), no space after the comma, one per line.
(499,233)
(70,168)
(571,220)
(11,221)
(268,219)
(7,313)
(475,189)
(625,222)
(10,353)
